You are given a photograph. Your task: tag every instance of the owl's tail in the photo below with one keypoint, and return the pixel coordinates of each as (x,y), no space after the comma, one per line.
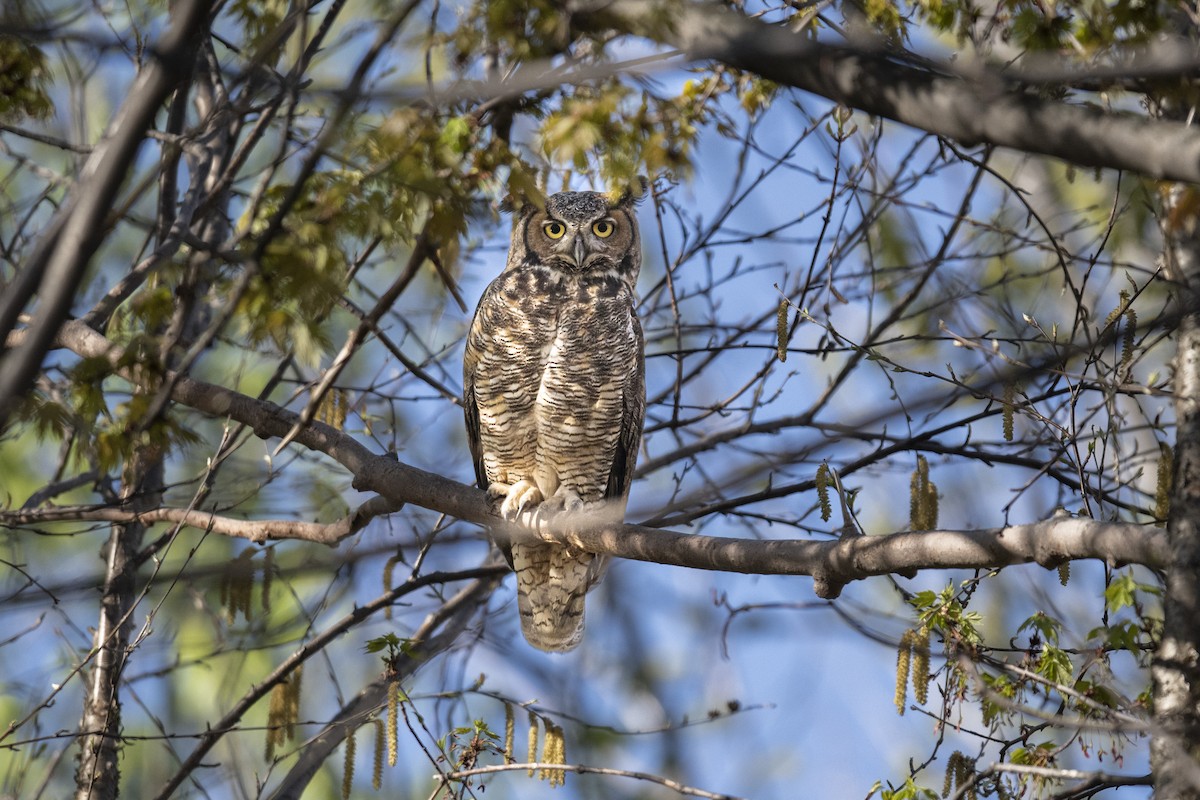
(552,582)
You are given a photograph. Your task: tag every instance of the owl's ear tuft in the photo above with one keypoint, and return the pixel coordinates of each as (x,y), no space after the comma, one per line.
(634,193)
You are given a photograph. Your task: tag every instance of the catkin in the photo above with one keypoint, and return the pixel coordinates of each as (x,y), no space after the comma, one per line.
(923,498)
(509,733)
(531,755)
(348,769)
(237,586)
(553,752)
(1010,393)
(332,408)
(275,715)
(781,330)
(1127,340)
(903,664)
(1162,491)
(377,768)
(393,709)
(292,705)
(920,666)
(959,773)
(822,482)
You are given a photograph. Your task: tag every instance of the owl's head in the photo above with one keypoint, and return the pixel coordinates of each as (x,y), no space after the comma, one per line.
(580,232)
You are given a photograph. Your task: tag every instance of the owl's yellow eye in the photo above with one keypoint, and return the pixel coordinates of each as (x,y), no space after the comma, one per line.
(603,228)
(554,230)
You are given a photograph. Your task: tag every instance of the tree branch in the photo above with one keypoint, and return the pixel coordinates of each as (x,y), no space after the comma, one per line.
(257,531)
(583,769)
(831,564)
(883,84)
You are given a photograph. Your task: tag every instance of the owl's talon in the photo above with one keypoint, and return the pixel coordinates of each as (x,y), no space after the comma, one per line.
(520,496)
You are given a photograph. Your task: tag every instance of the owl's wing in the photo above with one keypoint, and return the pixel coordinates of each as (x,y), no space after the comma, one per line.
(471,404)
(632,416)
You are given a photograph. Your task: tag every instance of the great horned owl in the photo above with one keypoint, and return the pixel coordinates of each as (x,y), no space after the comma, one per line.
(554,391)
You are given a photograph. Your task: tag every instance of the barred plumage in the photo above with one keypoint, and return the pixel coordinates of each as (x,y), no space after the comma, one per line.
(554,390)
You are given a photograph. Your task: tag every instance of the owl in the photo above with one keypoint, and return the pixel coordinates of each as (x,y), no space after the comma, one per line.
(554,392)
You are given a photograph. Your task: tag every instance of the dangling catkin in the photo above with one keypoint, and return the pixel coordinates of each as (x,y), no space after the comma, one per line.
(531,755)
(348,769)
(377,768)
(920,666)
(393,710)
(903,663)
(822,482)
(509,733)
(781,330)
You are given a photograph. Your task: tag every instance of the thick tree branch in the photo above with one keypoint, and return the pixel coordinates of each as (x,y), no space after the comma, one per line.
(831,564)
(969,111)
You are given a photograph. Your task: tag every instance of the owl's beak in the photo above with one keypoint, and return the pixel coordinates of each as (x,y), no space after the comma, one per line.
(580,250)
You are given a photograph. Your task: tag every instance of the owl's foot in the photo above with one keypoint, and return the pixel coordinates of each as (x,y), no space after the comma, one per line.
(563,501)
(517,497)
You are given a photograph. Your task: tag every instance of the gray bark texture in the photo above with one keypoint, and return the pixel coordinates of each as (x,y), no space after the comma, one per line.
(1175,750)
(98,773)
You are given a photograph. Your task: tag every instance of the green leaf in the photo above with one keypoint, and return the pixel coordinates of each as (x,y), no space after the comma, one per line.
(389,641)
(1047,628)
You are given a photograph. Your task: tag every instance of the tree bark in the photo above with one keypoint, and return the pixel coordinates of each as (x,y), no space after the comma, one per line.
(98,774)
(1175,750)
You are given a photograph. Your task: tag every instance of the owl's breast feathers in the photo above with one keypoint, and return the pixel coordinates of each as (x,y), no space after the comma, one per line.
(554,369)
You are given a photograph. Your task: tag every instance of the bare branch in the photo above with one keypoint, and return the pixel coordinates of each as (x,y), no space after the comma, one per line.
(257,531)
(583,769)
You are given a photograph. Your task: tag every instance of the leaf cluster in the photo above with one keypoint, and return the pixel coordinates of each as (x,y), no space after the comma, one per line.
(23,80)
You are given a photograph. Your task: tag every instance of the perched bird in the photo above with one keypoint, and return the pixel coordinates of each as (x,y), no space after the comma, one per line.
(554,391)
